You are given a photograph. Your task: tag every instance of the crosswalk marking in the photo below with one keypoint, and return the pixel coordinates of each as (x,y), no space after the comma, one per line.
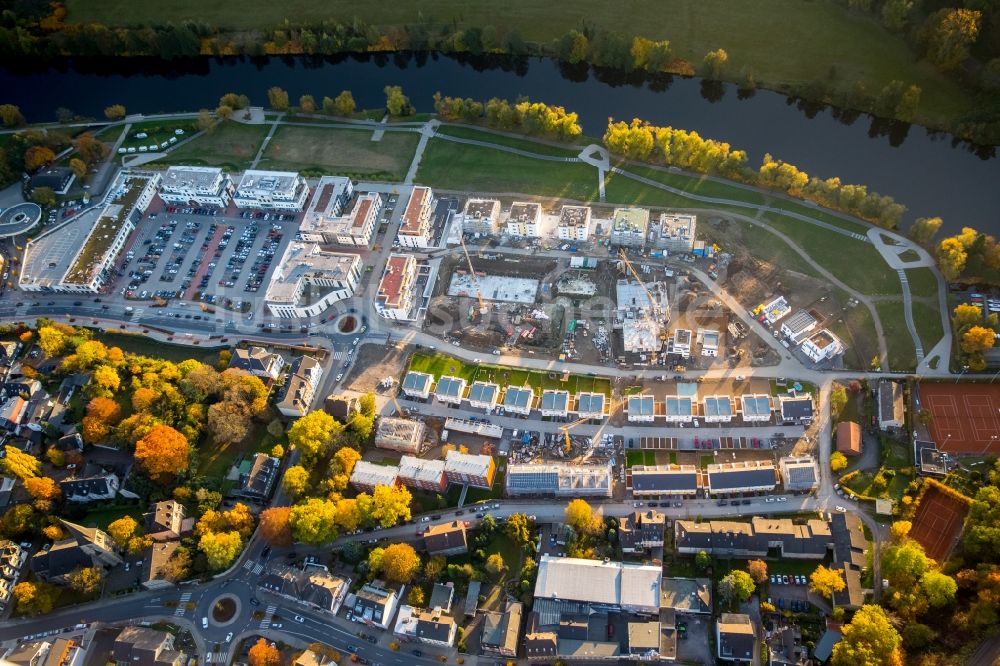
(248,565)
(268,614)
(182,604)
(339,355)
(257,569)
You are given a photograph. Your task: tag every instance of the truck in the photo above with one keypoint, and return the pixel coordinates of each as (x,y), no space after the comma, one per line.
(656,253)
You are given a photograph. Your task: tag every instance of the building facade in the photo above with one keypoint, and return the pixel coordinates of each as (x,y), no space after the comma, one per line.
(195,185)
(524,220)
(415,229)
(574,223)
(394,299)
(271,190)
(481,216)
(308,280)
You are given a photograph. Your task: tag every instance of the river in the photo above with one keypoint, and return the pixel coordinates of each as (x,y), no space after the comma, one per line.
(930,172)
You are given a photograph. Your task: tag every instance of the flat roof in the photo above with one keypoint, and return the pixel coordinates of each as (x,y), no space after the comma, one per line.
(476,208)
(467,463)
(483,392)
(273,182)
(391,286)
(48,257)
(718,405)
(665,478)
(452,387)
(370,474)
(823,339)
(574,216)
(515,396)
(590,403)
(631,220)
(598,582)
(527,212)
(732,476)
(420,469)
(679,406)
(202,178)
(677,224)
(308,262)
(417,381)
(555,400)
(641,405)
(799,322)
(413,216)
(756,404)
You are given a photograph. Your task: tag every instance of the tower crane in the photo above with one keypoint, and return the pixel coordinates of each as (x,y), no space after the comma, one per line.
(615,406)
(654,305)
(483,309)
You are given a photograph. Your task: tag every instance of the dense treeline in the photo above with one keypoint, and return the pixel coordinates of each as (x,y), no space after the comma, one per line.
(950,38)
(640,140)
(522,115)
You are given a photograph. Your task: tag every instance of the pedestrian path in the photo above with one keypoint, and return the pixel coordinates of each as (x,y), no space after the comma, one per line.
(182,604)
(908,313)
(268,614)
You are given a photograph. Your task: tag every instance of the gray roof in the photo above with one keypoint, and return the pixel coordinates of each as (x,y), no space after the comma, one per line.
(555,400)
(824,648)
(736,636)
(451,387)
(678,405)
(517,397)
(609,583)
(727,479)
(472,597)
(674,480)
(416,381)
(800,407)
(718,406)
(800,476)
(95,486)
(756,405)
(590,403)
(799,322)
(641,405)
(483,392)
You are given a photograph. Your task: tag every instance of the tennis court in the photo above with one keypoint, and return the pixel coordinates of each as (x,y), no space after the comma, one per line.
(965,418)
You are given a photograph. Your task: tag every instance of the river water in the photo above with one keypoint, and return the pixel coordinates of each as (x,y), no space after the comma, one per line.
(930,172)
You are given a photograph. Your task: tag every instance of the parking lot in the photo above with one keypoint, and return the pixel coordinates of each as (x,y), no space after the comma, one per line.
(205,254)
(692,640)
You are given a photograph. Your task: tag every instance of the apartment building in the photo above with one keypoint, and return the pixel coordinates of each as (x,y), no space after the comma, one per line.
(394,299)
(300,387)
(481,216)
(574,223)
(676,232)
(196,186)
(308,280)
(469,469)
(335,215)
(524,220)
(423,474)
(629,227)
(366,476)
(398,434)
(271,190)
(415,229)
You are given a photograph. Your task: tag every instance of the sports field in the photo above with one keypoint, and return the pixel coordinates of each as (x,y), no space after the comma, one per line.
(965,417)
(938,523)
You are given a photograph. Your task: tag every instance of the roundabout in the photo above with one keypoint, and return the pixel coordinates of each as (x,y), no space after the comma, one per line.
(346,324)
(225,609)
(19,219)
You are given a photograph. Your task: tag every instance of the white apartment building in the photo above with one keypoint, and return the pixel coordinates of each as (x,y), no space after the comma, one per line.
(524,220)
(89,267)
(197,186)
(271,190)
(333,217)
(394,299)
(680,343)
(415,229)
(574,223)
(629,227)
(676,232)
(821,346)
(481,216)
(309,280)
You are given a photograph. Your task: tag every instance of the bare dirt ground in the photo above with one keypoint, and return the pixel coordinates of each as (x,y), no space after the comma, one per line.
(374,363)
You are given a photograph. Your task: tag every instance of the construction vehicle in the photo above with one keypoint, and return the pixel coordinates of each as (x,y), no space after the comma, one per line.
(615,406)
(400,412)
(483,309)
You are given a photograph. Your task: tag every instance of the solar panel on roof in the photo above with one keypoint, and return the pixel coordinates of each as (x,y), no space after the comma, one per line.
(801,475)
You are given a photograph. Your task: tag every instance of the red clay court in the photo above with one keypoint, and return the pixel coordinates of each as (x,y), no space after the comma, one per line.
(965,418)
(937,523)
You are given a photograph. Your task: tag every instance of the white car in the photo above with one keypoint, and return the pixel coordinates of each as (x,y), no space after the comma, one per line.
(299,618)
(425,519)
(840,509)
(356,340)
(340,376)
(769,499)
(204,623)
(782,499)
(229,636)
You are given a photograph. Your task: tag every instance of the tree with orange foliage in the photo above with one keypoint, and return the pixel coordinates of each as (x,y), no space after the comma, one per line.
(142,399)
(44,491)
(263,654)
(163,453)
(36,157)
(105,409)
(274,526)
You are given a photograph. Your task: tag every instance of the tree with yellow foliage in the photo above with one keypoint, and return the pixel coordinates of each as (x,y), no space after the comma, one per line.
(263,653)
(580,515)
(838,462)
(399,562)
(390,505)
(978,339)
(20,464)
(870,639)
(312,435)
(951,258)
(825,581)
(220,548)
(900,530)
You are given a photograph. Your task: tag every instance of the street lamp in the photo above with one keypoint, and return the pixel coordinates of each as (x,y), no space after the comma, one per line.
(993,439)
(965,369)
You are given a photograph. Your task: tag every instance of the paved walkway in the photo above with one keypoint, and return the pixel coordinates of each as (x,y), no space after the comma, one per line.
(380,131)
(426,133)
(266,141)
(598,157)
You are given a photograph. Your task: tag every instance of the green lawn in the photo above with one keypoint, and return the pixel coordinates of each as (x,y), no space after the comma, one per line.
(230,145)
(820,213)
(928,322)
(761,245)
(633,458)
(439,364)
(923,283)
(857,330)
(695,184)
(215,459)
(326,150)
(158,131)
(902,355)
(145,346)
(864,270)
(456,166)
(782,41)
(103,516)
(521,144)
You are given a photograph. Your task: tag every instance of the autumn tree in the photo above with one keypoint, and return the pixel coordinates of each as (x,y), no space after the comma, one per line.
(78,166)
(925,228)
(18,520)
(234,101)
(44,491)
(900,530)
(580,515)
(390,505)
(939,588)
(343,104)
(178,567)
(518,529)
(22,465)
(91,149)
(978,339)
(220,548)
(277,98)
(950,33)
(895,14)
(951,258)
(396,103)
(399,562)
(736,586)
(11,115)
(416,597)
(904,563)
(274,526)
(757,570)
(227,423)
(495,564)
(35,598)
(307,104)
(825,581)
(869,639)
(263,653)
(86,580)
(573,47)
(296,481)
(313,521)
(965,316)
(114,112)
(163,453)
(312,435)
(838,462)
(714,64)
(128,535)
(35,157)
